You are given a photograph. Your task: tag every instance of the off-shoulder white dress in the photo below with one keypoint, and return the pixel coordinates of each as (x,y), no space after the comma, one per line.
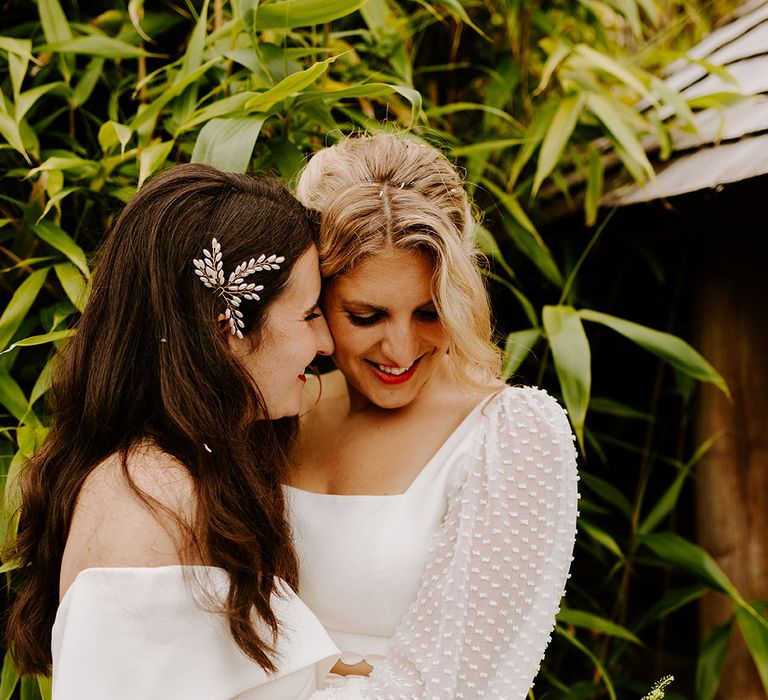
(154,633)
(449,590)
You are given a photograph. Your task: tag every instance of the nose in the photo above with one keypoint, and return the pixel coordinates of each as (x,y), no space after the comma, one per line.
(323,338)
(400,343)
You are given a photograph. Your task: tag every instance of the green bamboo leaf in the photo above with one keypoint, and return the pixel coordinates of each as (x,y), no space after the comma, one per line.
(594,191)
(111,133)
(571,355)
(755,633)
(288,14)
(608,65)
(557,54)
(601,537)
(673,98)
(9,679)
(64,163)
(152,158)
(454,107)
(611,117)
(9,130)
(288,158)
(607,491)
(571,638)
(668,500)
(711,660)
(20,47)
(87,82)
(95,45)
(288,86)
(651,9)
(684,555)
(669,602)
(518,346)
(29,688)
(18,61)
(60,240)
(557,136)
(26,100)
(487,243)
(20,304)
(631,13)
(45,686)
(494,146)
(461,14)
(172,92)
(72,283)
(524,234)
(136,13)
(193,59)
(52,337)
(228,143)
(43,382)
(231,106)
(54,21)
(56,199)
(534,135)
(365,90)
(4,569)
(13,399)
(611,407)
(668,347)
(595,623)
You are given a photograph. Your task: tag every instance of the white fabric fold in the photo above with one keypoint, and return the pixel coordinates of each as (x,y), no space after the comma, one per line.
(130,633)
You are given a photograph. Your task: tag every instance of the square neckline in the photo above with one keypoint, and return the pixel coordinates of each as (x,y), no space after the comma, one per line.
(448,442)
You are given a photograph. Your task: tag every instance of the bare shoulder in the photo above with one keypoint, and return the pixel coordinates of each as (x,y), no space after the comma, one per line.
(114,526)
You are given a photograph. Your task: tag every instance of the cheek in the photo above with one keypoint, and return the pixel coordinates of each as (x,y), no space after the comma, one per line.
(436,334)
(348,338)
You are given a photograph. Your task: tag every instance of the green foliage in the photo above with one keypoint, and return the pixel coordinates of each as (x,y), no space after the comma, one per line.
(535,100)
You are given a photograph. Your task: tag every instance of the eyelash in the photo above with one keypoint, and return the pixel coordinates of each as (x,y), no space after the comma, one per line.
(356,320)
(313,316)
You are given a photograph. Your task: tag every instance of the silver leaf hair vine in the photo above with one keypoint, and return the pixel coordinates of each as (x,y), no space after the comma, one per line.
(210,270)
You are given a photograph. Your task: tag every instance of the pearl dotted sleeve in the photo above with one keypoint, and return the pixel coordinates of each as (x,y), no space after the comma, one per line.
(496,570)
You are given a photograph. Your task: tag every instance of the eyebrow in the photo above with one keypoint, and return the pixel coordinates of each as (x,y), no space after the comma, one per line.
(365,306)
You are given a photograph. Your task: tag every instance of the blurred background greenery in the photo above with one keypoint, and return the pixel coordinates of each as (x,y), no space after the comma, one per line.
(536,102)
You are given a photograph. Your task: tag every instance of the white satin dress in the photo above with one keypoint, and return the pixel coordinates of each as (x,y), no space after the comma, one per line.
(154,633)
(449,590)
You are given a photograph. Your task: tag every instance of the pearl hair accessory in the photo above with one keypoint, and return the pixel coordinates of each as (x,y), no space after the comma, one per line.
(210,270)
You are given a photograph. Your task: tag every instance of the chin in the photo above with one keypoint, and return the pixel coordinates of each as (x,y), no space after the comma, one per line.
(392,399)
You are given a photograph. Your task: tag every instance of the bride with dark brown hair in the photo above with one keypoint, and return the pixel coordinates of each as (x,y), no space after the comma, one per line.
(153,550)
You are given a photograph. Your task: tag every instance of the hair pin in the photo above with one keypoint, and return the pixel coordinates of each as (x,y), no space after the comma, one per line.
(210,270)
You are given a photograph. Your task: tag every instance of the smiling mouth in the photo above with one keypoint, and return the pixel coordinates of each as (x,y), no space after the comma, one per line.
(394,375)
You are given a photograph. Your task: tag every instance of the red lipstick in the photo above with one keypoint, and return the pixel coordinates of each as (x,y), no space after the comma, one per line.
(303,378)
(393,379)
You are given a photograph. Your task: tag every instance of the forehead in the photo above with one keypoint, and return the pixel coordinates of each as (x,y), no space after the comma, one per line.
(387,277)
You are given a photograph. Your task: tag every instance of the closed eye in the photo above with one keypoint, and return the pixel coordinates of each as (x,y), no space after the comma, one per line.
(364,320)
(430,315)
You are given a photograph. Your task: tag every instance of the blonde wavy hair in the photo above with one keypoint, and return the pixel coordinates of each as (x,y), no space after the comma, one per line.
(387,191)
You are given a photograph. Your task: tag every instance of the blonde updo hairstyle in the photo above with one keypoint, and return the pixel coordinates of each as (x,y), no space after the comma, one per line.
(387,191)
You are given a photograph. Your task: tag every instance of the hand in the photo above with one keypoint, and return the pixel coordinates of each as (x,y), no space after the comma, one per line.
(363,668)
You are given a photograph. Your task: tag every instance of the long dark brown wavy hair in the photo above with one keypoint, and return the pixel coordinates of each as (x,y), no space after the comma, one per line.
(150,362)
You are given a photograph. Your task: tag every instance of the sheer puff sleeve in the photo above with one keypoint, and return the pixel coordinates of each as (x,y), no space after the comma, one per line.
(497,567)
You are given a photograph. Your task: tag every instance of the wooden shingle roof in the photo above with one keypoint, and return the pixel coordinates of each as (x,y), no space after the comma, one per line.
(730,144)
